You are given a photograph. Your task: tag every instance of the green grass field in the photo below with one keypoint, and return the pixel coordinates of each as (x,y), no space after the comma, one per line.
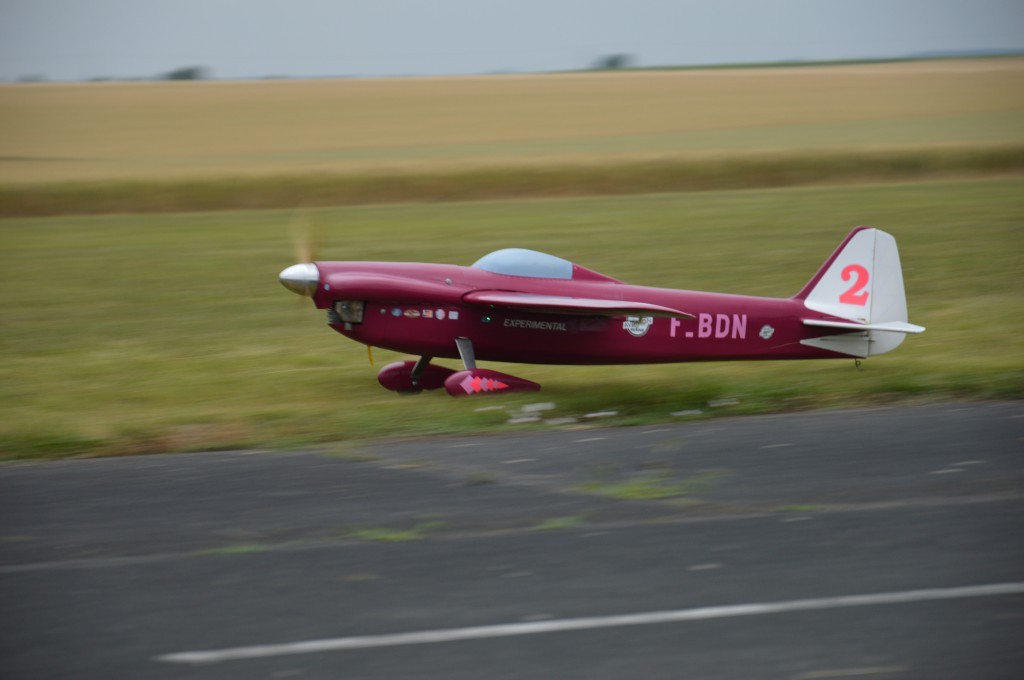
(518,182)
(142,333)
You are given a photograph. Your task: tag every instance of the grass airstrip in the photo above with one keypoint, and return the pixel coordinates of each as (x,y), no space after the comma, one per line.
(163,332)
(163,328)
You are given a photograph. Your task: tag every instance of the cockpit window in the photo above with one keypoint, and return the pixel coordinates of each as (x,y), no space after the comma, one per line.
(522,262)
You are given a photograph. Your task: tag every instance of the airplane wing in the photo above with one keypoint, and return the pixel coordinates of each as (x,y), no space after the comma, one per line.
(557,304)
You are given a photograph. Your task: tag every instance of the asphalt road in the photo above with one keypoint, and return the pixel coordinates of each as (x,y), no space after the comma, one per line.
(883,543)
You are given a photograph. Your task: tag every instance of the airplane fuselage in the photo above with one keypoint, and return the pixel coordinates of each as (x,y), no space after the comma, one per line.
(426,310)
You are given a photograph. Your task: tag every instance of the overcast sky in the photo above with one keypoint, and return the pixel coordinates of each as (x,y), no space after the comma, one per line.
(82,39)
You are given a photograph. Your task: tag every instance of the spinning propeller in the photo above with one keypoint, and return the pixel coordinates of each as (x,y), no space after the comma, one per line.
(302,278)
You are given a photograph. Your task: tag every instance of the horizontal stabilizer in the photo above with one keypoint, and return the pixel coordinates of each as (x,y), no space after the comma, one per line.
(887,326)
(557,304)
(852,344)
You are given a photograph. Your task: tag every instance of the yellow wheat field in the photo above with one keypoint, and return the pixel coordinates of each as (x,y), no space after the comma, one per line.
(175,130)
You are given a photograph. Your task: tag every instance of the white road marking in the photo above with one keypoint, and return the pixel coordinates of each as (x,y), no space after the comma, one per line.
(946,471)
(589,439)
(587,623)
(852,672)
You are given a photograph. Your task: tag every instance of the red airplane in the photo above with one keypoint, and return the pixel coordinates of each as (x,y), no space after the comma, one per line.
(523,306)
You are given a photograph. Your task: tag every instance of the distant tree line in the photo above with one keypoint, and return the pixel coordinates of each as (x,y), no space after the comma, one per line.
(183,73)
(186,73)
(612,62)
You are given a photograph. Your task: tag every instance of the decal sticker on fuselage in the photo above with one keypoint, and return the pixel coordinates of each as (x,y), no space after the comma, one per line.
(638,326)
(423,313)
(536,325)
(719,326)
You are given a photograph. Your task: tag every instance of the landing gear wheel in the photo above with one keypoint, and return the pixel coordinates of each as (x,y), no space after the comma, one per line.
(412,377)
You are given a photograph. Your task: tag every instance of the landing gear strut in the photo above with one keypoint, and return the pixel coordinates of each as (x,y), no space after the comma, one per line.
(475,380)
(412,377)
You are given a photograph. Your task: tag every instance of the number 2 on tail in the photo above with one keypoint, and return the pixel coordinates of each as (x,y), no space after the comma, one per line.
(855,294)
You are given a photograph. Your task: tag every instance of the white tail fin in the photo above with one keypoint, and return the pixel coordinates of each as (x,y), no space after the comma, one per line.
(862,286)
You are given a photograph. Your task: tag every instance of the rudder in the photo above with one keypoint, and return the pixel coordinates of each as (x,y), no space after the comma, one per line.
(861,283)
